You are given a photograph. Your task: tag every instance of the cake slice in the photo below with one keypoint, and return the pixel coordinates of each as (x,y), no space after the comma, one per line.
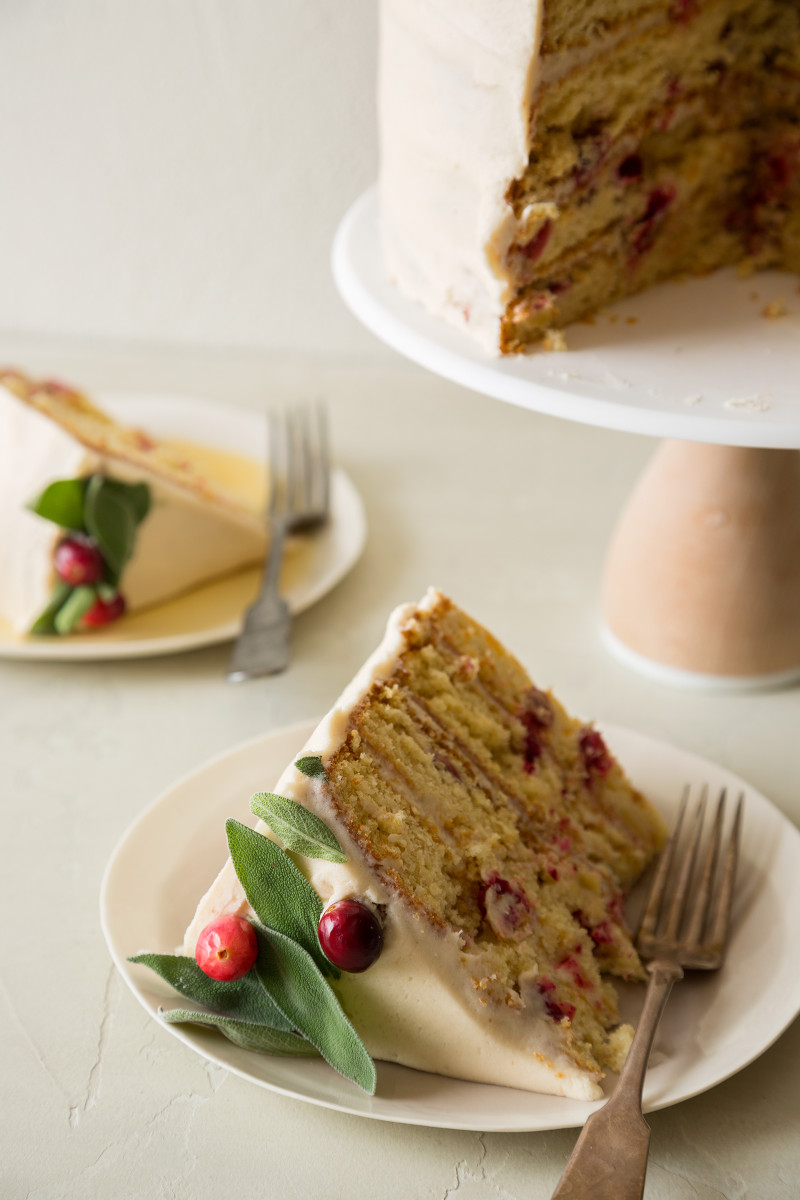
(492,837)
(131,520)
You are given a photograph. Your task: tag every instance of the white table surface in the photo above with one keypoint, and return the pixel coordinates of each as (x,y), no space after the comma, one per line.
(510,512)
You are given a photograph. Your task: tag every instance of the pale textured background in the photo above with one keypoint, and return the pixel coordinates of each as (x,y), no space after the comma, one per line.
(174,170)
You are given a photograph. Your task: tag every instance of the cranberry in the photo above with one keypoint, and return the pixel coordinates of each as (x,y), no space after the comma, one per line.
(631,168)
(227,948)
(103,612)
(557,1009)
(78,562)
(350,935)
(535,247)
(506,907)
(595,752)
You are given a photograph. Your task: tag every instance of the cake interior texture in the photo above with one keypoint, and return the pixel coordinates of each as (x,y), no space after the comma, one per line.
(493,816)
(661,137)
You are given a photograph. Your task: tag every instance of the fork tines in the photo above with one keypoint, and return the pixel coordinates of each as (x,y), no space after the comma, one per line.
(688,909)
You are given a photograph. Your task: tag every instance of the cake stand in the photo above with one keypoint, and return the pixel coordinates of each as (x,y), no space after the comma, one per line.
(702,577)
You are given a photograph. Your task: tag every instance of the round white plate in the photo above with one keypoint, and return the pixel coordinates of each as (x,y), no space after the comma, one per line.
(714,1024)
(313,564)
(695,359)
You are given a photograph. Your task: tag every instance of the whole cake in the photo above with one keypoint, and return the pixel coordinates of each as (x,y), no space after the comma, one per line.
(541,158)
(487,839)
(97,519)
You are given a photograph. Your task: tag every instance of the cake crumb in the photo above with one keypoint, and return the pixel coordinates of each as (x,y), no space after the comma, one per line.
(690,401)
(554,340)
(616,381)
(631,320)
(565,375)
(775,308)
(749,403)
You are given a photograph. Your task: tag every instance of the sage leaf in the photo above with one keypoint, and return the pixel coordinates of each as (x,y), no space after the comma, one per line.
(110,519)
(74,607)
(277,890)
(294,981)
(298,829)
(243,1033)
(62,503)
(106,590)
(241,999)
(311,766)
(45,622)
(137,496)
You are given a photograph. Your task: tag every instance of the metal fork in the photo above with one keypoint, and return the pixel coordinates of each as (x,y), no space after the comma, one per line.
(685,925)
(299,499)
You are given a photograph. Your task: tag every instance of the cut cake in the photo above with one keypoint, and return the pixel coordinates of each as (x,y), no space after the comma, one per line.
(495,837)
(193,530)
(541,158)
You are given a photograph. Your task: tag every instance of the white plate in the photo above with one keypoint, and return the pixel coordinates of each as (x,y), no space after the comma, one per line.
(714,1024)
(694,359)
(314,563)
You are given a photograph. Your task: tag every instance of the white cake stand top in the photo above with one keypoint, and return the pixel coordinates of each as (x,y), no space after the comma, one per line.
(713,359)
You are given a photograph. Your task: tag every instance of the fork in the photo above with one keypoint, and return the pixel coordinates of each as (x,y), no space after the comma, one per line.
(685,925)
(299,499)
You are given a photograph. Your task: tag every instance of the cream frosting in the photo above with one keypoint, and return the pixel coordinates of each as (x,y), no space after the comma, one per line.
(185,539)
(416,1004)
(456,81)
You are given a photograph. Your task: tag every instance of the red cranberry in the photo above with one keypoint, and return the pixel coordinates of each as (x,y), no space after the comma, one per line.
(350,935)
(78,562)
(535,247)
(595,752)
(103,612)
(557,1009)
(227,948)
(631,168)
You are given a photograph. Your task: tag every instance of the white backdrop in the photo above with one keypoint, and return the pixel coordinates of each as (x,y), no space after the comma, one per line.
(174,170)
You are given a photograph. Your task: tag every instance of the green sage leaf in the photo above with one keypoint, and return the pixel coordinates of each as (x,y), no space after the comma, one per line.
(276,889)
(74,607)
(243,1033)
(295,983)
(110,519)
(45,622)
(106,591)
(62,503)
(311,766)
(298,829)
(137,496)
(241,999)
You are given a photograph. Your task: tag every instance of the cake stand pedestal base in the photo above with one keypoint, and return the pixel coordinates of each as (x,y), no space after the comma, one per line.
(702,582)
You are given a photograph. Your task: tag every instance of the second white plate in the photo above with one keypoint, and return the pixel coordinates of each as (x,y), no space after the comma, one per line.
(314,563)
(714,1024)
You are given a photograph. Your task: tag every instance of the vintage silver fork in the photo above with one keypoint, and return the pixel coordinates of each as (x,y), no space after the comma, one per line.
(299,499)
(685,925)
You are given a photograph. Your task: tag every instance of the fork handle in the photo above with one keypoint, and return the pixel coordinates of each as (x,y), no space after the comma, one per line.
(609,1161)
